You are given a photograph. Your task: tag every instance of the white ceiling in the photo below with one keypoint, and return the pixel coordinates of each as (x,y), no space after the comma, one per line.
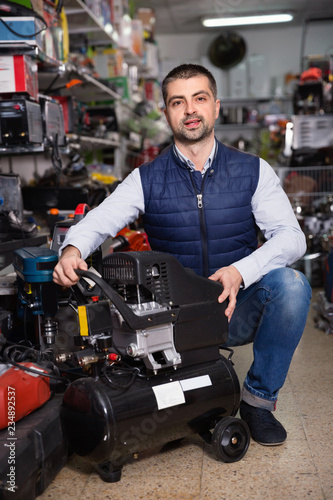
(184,16)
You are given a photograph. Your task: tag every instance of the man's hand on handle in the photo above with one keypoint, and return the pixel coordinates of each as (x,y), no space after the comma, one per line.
(231,280)
(64,273)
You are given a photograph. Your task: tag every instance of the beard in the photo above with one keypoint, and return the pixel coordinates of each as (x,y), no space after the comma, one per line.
(192,136)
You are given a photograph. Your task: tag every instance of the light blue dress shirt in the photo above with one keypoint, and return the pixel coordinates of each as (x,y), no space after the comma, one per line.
(270,205)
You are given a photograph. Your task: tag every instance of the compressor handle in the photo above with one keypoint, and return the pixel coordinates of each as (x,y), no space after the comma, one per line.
(134,321)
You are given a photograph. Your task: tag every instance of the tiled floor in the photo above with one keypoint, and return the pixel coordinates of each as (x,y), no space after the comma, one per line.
(301,468)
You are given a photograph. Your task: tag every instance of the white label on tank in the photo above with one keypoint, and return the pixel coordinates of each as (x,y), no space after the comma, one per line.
(167,395)
(195,383)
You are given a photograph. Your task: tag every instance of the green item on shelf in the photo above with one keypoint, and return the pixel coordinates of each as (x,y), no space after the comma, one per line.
(24,3)
(121,85)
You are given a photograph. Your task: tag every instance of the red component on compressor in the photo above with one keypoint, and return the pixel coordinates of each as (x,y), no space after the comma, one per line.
(128,240)
(113,357)
(21,392)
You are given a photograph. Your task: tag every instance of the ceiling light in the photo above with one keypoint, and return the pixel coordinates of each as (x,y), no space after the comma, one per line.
(246,20)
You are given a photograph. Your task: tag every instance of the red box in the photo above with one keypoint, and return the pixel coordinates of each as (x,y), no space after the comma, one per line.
(18,74)
(69,112)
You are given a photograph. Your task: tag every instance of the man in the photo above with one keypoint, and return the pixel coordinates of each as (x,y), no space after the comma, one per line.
(203,202)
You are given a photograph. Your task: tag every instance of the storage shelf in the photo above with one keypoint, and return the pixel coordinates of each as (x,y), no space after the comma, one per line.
(82,20)
(236,126)
(53,75)
(19,150)
(94,143)
(229,102)
(91,89)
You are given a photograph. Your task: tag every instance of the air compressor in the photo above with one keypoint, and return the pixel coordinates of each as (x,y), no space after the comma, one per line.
(149,348)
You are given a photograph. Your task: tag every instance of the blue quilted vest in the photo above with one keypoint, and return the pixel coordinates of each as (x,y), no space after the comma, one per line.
(206,223)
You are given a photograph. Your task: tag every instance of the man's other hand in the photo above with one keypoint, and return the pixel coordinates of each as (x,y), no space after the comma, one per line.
(231,279)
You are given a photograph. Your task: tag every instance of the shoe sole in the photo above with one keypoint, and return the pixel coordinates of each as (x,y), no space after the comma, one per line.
(271,444)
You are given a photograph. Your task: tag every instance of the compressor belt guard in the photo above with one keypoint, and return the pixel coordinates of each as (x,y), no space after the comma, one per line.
(161,377)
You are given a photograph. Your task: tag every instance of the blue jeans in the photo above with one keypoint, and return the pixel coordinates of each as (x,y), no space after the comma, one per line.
(272,314)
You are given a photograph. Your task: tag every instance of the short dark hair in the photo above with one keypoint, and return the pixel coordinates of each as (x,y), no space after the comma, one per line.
(185,71)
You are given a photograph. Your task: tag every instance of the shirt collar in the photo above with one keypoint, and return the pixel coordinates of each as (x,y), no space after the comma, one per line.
(190,164)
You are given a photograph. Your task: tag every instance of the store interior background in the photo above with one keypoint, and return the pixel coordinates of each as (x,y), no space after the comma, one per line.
(272,53)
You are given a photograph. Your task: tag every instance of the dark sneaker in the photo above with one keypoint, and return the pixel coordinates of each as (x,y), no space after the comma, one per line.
(264,427)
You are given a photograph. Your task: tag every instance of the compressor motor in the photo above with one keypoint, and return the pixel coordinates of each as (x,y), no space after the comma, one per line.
(149,348)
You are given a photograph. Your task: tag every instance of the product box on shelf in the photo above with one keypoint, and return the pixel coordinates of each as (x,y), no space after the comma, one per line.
(120,83)
(21,30)
(151,58)
(69,112)
(106,12)
(148,19)
(52,38)
(53,121)
(20,123)
(119,8)
(95,8)
(119,11)
(37,6)
(109,62)
(137,37)
(124,30)
(152,91)
(18,74)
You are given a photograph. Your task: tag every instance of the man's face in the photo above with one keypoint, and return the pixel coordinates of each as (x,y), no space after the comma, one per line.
(191,109)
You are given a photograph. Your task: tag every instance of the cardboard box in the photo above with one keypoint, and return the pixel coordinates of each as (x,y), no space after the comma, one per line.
(148,19)
(18,74)
(109,62)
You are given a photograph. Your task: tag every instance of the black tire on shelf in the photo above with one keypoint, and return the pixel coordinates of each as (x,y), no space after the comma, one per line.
(231,439)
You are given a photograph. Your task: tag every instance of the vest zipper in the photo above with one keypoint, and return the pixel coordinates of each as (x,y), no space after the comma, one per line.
(203,229)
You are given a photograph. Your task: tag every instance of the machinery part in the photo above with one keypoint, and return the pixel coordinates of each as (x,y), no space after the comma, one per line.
(37,292)
(129,240)
(160,309)
(81,211)
(59,233)
(117,423)
(20,123)
(61,227)
(107,473)
(94,318)
(231,439)
(156,373)
(49,330)
(35,264)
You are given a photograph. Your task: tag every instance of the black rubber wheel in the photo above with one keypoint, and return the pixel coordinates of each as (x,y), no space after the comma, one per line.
(231,439)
